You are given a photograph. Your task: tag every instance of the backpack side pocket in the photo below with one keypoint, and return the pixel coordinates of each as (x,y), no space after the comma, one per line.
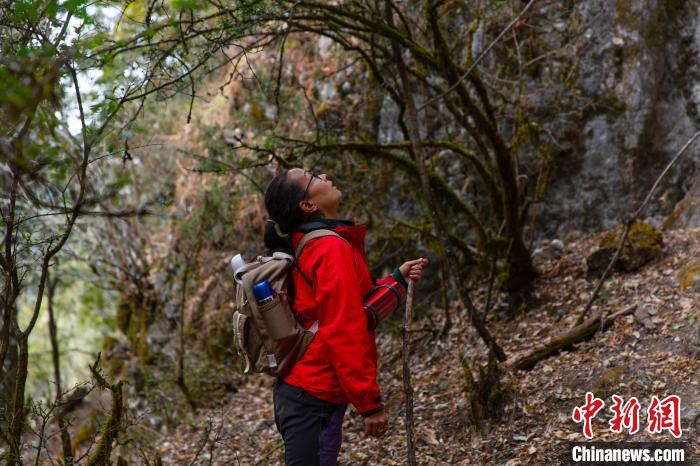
(278,318)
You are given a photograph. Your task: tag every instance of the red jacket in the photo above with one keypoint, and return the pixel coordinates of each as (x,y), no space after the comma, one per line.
(340,365)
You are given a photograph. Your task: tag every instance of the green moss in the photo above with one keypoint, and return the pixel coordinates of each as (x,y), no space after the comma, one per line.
(644,235)
(218,345)
(109,343)
(133,320)
(86,431)
(256,112)
(670,221)
(689,275)
(572,236)
(644,243)
(115,364)
(325,107)
(143,352)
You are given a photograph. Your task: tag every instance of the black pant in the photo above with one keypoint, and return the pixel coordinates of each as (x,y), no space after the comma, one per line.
(311,428)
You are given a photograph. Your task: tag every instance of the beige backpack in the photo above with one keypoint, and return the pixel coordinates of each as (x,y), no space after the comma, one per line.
(269,337)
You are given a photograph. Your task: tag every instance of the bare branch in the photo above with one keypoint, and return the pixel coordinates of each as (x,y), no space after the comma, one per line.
(478,58)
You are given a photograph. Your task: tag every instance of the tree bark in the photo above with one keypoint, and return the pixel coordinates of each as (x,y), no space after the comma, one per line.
(55,357)
(8,375)
(110,430)
(17,411)
(8,338)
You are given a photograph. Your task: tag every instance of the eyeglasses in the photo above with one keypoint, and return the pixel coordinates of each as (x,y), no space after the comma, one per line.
(313,175)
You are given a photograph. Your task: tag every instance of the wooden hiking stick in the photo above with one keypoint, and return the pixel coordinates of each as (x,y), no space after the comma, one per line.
(407,389)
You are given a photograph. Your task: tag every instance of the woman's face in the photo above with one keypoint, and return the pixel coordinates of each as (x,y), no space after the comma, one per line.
(321,195)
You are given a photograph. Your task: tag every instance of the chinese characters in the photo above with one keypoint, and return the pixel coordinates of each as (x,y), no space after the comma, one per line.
(661,414)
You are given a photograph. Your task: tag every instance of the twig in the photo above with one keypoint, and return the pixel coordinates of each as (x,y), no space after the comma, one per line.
(478,59)
(280,69)
(203,443)
(628,225)
(407,388)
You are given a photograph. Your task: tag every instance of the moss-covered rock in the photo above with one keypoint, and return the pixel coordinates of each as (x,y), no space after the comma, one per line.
(689,276)
(643,244)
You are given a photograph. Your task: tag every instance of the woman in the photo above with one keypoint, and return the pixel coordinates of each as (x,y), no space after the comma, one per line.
(329,282)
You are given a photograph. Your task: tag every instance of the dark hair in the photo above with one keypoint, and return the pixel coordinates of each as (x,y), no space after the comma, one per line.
(282,198)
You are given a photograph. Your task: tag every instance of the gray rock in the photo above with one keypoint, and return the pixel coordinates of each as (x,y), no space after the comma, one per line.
(558,245)
(641,64)
(642,316)
(632,100)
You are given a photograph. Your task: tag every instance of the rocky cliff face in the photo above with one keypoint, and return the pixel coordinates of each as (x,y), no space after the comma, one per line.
(639,80)
(616,85)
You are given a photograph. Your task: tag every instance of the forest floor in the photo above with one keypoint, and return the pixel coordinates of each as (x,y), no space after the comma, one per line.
(654,351)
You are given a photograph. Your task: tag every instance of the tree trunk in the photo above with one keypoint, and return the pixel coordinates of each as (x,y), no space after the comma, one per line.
(8,375)
(111,428)
(17,409)
(55,357)
(521,270)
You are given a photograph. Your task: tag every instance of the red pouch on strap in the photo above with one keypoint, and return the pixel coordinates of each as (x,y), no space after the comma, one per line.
(382,301)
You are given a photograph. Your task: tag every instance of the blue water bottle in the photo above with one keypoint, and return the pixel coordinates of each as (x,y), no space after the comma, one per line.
(263,292)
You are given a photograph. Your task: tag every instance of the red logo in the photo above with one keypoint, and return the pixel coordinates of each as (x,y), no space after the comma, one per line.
(625,416)
(665,414)
(661,415)
(587,412)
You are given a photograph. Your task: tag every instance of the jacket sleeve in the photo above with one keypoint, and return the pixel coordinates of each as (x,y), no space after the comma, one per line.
(395,277)
(342,324)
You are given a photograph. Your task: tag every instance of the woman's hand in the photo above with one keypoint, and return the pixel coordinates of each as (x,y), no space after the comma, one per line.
(413,269)
(376,424)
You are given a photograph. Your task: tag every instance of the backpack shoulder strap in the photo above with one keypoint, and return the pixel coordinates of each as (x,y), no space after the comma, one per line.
(313,235)
(305,239)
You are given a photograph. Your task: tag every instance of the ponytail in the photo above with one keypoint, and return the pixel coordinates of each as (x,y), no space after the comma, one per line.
(274,241)
(282,198)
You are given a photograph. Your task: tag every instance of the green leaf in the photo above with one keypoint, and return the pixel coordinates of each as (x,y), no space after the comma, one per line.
(26,11)
(269,142)
(187,4)
(52,9)
(74,6)
(93,41)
